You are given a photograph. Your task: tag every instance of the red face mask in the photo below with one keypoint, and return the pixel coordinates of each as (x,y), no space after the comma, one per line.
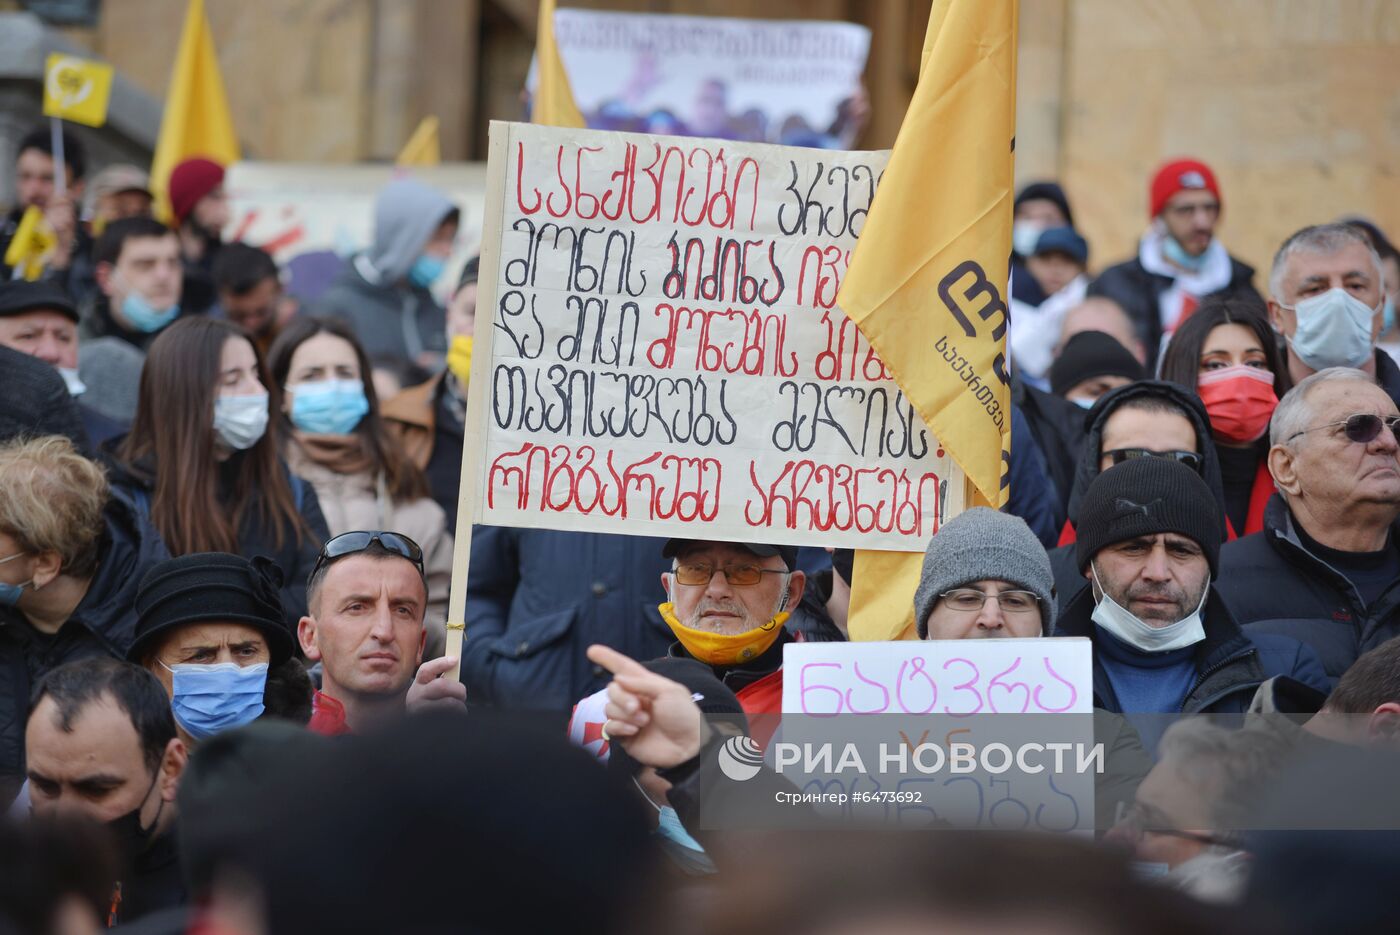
(1240,401)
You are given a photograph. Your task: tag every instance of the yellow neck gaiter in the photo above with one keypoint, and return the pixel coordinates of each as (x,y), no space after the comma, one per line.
(459,358)
(724,649)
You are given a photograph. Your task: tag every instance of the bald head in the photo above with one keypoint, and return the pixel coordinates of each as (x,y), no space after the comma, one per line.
(1099,313)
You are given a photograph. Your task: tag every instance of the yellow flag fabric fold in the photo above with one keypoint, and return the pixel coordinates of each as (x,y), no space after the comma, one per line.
(196,121)
(31,245)
(76,89)
(554,97)
(423,147)
(928,280)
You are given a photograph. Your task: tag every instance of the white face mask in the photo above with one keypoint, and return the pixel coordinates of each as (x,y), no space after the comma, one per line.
(1024,235)
(76,387)
(240,421)
(1334,330)
(1118,620)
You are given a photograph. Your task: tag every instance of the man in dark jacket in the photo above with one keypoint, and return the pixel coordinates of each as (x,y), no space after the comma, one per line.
(1164,641)
(1326,567)
(1179,260)
(1150,417)
(383,292)
(101,742)
(1328,295)
(74,555)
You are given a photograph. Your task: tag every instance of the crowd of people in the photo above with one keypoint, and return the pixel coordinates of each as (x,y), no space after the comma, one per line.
(226,534)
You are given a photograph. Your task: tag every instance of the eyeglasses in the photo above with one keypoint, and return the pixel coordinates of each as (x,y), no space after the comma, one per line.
(1010,602)
(348,543)
(1188,458)
(1138,820)
(1361,428)
(739,575)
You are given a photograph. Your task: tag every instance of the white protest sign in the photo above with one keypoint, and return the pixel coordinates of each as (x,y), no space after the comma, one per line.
(904,733)
(658,350)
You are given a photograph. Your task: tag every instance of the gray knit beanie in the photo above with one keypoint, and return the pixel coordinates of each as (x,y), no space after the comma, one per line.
(984,544)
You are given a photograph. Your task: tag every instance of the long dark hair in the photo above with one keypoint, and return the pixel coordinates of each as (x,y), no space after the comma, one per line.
(174,430)
(1181,362)
(401,476)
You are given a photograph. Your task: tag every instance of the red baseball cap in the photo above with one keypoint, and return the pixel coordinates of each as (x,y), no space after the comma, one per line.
(1180,176)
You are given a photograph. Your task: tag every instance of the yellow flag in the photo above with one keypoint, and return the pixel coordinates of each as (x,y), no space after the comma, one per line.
(77,89)
(554,98)
(422,148)
(29,251)
(927,283)
(196,121)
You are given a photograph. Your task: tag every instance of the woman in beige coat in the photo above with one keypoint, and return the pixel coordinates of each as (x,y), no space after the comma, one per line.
(337,441)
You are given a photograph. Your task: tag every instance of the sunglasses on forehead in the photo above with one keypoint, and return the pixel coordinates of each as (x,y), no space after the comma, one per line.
(348,543)
(1189,458)
(1361,428)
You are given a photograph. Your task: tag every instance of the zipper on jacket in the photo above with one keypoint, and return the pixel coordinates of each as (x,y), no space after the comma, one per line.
(1211,671)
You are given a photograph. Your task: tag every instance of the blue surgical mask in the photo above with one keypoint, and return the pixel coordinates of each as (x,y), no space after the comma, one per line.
(328,407)
(1177,254)
(145,317)
(10,593)
(211,699)
(1388,315)
(426,269)
(669,826)
(1084,402)
(1024,236)
(1334,330)
(240,421)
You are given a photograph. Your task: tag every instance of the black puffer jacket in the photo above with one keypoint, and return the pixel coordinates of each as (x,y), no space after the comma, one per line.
(103,624)
(1069,580)
(1139,293)
(1273,584)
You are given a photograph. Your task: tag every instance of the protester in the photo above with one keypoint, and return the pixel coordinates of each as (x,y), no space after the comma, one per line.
(428,420)
(202,461)
(367,596)
(1164,641)
(1328,300)
(1390,266)
(212,630)
(101,742)
(118,191)
(34,400)
(1058,262)
(1179,260)
(1185,824)
(55,877)
(1326,565)
(201,212)
(1091,364)
(36,187)
(138,277)
(984,576)
(1364,708)
(249,292)
(336,440)
(38,318)
(1097,313)
(1057,265)
(383,292)
(71,554)
(1039,207)
(1228,352)
(1151,418)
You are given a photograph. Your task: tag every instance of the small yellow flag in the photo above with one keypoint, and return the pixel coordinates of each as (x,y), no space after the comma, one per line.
(422,148)
(29,251)
(77,89)
(927,282)
(554,98)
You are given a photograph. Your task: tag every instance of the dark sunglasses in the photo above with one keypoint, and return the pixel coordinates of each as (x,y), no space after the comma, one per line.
(348,543)
(1188,458)
(1361,428)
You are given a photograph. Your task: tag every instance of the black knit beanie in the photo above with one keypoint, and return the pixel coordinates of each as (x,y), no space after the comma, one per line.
(1145,497)
(1092,354)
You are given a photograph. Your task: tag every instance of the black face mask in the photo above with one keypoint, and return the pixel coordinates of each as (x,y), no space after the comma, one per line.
(132,839)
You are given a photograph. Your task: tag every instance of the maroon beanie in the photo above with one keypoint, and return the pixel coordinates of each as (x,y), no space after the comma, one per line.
(190,181)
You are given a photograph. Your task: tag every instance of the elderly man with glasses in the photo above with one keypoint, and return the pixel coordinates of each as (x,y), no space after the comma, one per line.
(366,598)
(1326,567)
